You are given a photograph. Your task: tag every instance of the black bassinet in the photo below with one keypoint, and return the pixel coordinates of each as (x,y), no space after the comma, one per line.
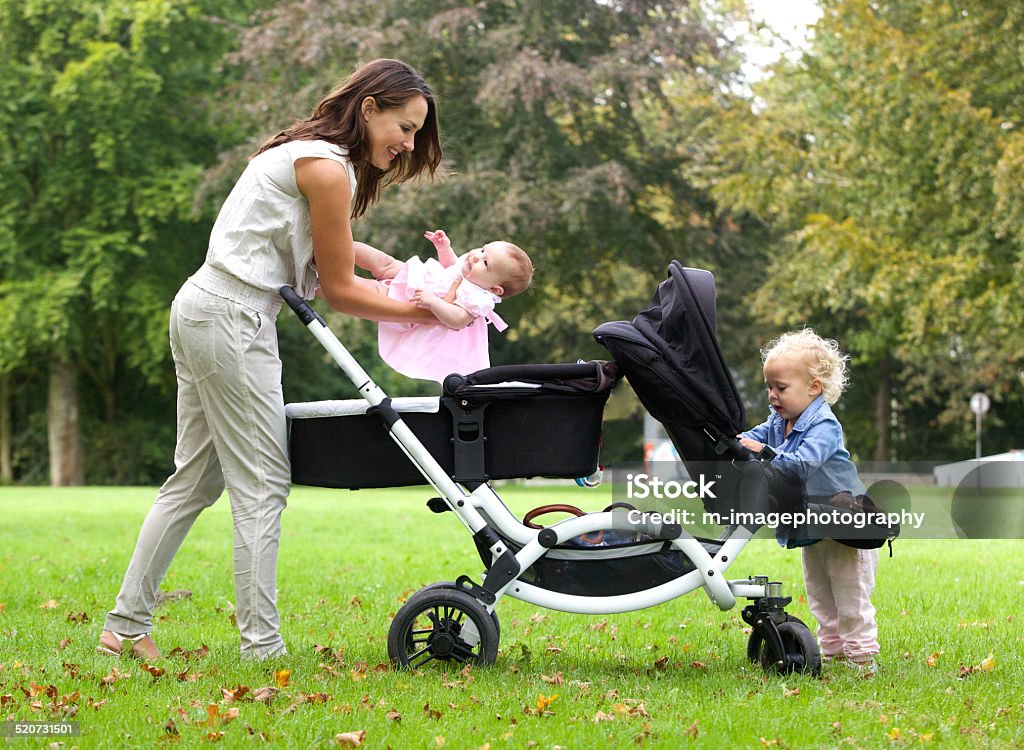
(505,422)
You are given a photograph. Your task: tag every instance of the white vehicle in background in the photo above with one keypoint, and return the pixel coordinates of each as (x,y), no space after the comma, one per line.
(661,459)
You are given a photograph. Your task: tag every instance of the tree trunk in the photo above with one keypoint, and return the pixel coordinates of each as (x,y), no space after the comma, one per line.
(62,422)
(6,467)
(883,405)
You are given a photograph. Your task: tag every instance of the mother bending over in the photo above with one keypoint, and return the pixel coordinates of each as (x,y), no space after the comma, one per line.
(286,221)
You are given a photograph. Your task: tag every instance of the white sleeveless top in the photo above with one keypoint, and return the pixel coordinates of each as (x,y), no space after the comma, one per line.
(262,235)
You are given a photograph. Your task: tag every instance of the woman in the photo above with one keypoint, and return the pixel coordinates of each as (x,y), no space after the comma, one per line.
(287,221)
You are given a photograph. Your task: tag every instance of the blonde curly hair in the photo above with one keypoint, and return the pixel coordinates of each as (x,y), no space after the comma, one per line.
(824,360)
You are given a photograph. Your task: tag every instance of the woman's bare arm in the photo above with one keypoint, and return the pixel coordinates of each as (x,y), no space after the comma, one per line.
(325,184)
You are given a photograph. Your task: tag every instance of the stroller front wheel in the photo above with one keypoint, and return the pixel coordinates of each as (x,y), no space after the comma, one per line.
(800,649)
(441,624)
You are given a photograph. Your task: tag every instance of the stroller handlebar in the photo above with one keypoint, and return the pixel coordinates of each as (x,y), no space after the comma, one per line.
(301,308)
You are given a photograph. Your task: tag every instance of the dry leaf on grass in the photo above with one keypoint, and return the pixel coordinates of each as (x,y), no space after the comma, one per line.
(351,739)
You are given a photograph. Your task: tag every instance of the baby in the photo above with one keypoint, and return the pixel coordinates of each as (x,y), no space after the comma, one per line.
(461,292)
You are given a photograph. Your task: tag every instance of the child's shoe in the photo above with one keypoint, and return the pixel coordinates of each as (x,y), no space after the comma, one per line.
(866,664)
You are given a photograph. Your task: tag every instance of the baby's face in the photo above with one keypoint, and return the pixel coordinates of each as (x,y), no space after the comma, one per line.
(487,266)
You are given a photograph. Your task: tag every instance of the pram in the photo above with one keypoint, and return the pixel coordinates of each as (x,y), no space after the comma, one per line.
(545,420)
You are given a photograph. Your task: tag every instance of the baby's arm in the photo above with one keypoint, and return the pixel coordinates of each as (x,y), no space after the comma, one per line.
(445,255)
(451,315)
(377,262)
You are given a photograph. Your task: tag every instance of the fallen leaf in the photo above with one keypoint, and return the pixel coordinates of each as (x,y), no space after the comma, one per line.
(198,653)
(79,617)
(264,694)
(661,663)
(556,679)
(282,677)
(155,672)
(543,701)
(431,713)
(393,715)
(236,694)
(693,731)
(51,604)
(351,739)
(602,716)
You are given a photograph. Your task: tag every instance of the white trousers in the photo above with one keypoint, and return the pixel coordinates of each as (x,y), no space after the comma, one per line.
(839,581)
(230,433)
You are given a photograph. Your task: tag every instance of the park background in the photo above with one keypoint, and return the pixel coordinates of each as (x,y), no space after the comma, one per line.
(867,184)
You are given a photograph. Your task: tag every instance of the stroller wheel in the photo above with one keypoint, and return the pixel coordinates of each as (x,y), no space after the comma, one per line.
(800,650)
(451,585)
(440,624)
(755,644)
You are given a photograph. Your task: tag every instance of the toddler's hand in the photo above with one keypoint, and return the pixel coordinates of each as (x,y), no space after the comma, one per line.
(749,444)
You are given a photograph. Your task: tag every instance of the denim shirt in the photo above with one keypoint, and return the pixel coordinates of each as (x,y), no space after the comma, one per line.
(813,452)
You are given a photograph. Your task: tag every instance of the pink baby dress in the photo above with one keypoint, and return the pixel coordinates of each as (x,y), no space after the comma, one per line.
(433,351)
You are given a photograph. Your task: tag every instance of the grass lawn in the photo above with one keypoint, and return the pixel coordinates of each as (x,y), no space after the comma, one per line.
(675,675)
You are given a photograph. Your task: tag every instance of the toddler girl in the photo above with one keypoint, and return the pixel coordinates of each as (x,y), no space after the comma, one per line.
(805,373)
(460,291)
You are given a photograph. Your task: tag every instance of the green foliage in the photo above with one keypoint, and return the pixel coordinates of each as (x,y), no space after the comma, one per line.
(885,156)
(105,133)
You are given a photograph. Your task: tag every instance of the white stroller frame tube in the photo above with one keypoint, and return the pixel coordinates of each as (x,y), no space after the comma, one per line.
(399,431)
(708,572)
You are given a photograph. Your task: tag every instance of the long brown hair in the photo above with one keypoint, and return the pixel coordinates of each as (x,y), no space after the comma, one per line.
(338,119)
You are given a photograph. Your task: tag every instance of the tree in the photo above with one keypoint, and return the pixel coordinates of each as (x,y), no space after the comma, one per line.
(883,159)
(104,139)
(567,126)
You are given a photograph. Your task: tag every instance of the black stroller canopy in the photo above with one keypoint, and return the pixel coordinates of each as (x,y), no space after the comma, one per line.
(671,357)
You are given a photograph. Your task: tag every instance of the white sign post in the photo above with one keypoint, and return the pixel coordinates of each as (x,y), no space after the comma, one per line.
(979,405)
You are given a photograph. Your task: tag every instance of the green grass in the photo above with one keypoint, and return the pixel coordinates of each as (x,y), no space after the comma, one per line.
(946,609)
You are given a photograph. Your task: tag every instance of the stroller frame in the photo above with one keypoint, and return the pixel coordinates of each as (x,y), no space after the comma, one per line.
(456,621)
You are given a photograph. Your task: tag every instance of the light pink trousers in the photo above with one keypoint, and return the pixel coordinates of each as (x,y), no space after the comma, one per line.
(839,581)
(230,433)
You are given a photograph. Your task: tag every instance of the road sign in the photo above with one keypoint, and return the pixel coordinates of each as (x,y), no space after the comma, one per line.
(980,403)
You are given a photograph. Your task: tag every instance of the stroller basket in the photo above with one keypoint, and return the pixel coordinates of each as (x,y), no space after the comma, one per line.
(500,423)
(607,564)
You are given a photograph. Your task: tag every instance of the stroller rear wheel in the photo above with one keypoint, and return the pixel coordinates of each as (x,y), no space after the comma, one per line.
(800,651)
(441,624)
